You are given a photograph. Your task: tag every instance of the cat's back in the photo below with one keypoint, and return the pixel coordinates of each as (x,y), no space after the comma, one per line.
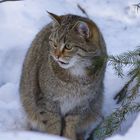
(33,60)
(38,45)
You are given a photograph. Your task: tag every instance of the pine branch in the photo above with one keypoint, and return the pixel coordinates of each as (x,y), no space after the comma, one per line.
(82,10)
(113,122)
(122,94)
(133,93)
(133,59)
(9,0)
(137,6)
(130,58)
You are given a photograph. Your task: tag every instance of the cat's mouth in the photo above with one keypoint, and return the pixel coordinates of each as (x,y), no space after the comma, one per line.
(62,63)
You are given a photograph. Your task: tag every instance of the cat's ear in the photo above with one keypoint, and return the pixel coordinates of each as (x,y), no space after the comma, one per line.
(55,18)
(83,29)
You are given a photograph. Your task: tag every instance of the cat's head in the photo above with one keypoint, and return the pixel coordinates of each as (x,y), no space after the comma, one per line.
(74,41)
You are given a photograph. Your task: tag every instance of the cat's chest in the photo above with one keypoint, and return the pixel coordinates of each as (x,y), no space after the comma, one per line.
(68,94)
(69,101)
(72,96)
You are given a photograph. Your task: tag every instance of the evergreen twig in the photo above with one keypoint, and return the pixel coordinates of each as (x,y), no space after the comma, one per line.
(112,123)
(137,6)
(9,0)
(130,58)
(82,10)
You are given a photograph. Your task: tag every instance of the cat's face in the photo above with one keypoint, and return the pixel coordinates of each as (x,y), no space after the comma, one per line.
(70,45)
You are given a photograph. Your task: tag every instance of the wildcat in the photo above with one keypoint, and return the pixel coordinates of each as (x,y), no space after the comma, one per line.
(61,85)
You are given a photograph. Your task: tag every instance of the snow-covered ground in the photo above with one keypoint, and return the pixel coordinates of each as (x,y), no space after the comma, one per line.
(24,135)
(118,20)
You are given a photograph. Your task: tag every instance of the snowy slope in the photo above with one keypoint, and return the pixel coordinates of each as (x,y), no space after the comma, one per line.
(20,21)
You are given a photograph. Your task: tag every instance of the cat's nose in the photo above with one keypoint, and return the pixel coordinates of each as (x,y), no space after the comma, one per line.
(57,55)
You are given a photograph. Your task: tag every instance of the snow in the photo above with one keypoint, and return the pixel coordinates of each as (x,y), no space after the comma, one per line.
(20,21)
(24,135)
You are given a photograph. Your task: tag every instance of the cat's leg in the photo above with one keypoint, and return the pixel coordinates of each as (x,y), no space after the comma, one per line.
(87,125)
(71,122)
(49,117)
(72,130)
(78,127)
(80,136)
(91,117)
(50,122)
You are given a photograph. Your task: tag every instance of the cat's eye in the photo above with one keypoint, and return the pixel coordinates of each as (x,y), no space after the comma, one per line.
(68,47)
(54,45)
